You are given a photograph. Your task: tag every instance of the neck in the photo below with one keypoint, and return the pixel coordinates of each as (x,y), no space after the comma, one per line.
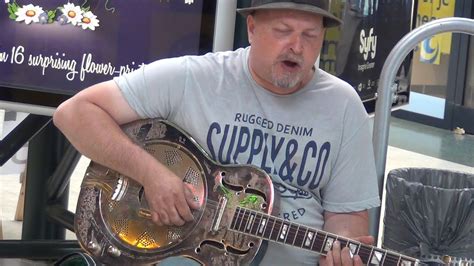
(277,230)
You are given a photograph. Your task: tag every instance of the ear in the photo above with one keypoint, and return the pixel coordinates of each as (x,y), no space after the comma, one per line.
(250,27)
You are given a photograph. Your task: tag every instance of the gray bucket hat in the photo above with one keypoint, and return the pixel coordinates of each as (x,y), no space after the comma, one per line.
(320,7)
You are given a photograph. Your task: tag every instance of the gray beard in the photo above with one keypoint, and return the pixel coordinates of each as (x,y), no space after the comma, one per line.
(286,81)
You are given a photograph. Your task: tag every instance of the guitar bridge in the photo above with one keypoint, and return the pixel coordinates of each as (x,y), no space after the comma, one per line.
(218,215)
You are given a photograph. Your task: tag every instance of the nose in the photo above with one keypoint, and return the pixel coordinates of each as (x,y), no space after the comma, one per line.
(296,44)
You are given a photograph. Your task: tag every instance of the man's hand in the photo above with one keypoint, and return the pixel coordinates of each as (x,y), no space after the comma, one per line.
(337,257)
(169,198)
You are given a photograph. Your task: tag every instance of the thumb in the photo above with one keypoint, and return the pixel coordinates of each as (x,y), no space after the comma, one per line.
(191,199)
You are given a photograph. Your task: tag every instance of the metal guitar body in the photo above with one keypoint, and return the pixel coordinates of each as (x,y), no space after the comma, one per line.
(113,221)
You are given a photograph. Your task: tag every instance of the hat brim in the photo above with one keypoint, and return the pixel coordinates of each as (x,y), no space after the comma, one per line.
(329,20)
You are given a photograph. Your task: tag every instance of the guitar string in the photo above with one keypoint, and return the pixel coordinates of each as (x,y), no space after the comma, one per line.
(362,247)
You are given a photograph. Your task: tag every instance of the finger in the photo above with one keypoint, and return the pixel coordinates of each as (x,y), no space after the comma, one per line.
(336,253)
(346,257)
(369,240)
(156,218)
(164,217)
(329,260)
(190,198)
(183,209)
(357,261)
(175,219)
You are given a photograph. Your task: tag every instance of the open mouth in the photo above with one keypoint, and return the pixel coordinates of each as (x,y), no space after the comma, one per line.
(291,65)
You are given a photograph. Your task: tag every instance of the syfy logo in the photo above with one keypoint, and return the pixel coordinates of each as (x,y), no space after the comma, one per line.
(368,44)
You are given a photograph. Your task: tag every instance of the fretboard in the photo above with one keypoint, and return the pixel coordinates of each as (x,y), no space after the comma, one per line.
(274,229)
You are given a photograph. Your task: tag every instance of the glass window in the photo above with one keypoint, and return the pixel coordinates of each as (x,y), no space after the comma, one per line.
(469,93)
(431,63)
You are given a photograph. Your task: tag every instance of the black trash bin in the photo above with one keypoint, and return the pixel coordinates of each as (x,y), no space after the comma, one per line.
(429,214)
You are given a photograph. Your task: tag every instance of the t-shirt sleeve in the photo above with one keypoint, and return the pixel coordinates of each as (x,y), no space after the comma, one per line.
(353,183)
(154,90)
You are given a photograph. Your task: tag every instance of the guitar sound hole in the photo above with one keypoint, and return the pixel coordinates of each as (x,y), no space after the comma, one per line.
(264,206)
(140,194)
(233,250)
(222,174)
(213,243)
(231,187)
(251,244)
(197,250)
(256,192)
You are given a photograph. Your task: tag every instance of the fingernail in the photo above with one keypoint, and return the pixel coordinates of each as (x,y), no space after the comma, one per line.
(336,244)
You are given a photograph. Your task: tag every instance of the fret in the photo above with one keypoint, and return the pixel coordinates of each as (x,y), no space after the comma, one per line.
(353,247)
(243,222)
(391,259)
(377,257)
(365,252)
(384,256)
(235,219)
(371,253)
(343,242)
(329,241)
(283,232)
(250,222)
(290,239)
(256,224)
(308,242)
(318,243)
(277,225)
(262,225)
(269,228)
(300,235)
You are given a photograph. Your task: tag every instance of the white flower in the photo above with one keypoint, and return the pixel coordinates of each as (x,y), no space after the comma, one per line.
(89,21)
(73,13)
(7,1)
(29,13)
(189,2)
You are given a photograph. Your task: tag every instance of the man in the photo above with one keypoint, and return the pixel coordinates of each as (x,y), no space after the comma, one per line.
(266,105)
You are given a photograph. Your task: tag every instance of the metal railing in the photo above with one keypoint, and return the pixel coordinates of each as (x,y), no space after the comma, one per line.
(386,94)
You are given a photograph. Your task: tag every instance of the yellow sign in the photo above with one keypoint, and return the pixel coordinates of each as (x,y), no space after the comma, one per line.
(331,41)
(428,10)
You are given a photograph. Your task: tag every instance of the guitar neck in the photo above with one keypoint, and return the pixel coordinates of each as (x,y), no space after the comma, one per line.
(274,229)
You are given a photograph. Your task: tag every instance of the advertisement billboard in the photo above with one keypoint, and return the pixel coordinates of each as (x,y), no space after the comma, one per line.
(49,50)
(357,50)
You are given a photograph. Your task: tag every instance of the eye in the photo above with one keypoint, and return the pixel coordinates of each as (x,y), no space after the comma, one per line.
(311,35)
(282,30)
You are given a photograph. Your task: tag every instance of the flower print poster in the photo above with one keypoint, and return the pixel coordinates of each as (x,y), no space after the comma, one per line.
(64,46)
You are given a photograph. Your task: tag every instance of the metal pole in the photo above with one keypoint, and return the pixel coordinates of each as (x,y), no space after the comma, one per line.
(37,249)
(225,25)
(385,93)
(45,151)
(27,128)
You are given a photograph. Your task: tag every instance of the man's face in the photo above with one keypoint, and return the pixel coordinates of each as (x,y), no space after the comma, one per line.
(284,47)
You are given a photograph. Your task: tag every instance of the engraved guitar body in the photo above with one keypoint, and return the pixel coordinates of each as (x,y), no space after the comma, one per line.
(113,222)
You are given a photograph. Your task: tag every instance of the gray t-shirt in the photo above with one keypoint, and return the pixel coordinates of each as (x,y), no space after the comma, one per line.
(315,143)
